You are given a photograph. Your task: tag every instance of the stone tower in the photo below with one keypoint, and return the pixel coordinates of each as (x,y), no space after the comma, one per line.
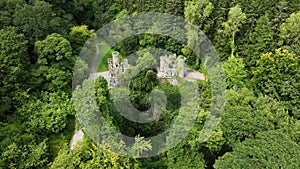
(115,56)
(181,73)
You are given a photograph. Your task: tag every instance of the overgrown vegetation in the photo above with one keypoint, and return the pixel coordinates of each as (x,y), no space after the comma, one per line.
(258,42)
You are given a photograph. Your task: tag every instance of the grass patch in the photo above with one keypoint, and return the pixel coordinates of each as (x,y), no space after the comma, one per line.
(103,65)
(58,141)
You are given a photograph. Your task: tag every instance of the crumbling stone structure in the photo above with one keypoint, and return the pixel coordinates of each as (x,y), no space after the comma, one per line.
(115,67)
(170,67)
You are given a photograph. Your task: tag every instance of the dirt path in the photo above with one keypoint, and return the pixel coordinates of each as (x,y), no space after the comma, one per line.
(94,60)
(78,136)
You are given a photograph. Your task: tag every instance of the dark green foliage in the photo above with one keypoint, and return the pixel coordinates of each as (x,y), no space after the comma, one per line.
(56,63)
(271,149)
(14,63)
(261,41)
(241,119)
(37,21)
(259,128)
(7,9)
(140,88)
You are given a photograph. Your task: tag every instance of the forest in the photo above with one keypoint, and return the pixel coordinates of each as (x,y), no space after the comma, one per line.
(257,41)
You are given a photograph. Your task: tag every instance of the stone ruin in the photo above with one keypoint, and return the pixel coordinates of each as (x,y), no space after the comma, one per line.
(115,67)
(168,69)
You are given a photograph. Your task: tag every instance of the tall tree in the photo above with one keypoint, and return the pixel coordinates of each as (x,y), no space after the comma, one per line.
(235,20)
(196,12)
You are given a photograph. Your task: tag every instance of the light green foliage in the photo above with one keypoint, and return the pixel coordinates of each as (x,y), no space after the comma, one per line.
(216,141)
(140,145)
(236,75)
(79,35)
(277,75)
(197,11)
(271,149)
(48,114)
(290,32)
(27,156)
(235,20)
(88,155)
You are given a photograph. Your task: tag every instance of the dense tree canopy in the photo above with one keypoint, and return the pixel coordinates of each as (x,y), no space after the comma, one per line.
(270,149)
(258,42)
(14,62)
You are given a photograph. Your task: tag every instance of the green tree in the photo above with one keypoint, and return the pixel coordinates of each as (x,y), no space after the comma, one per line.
(56,63)
(37,21)
(88,155)
(290,33)
(79,35)
(196,12)
(177,157)
(236,75)
(236,18)
(14,63)
(94,13)
(261,41)
(277,75)
(48,114)
(271,149)
(241,120)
